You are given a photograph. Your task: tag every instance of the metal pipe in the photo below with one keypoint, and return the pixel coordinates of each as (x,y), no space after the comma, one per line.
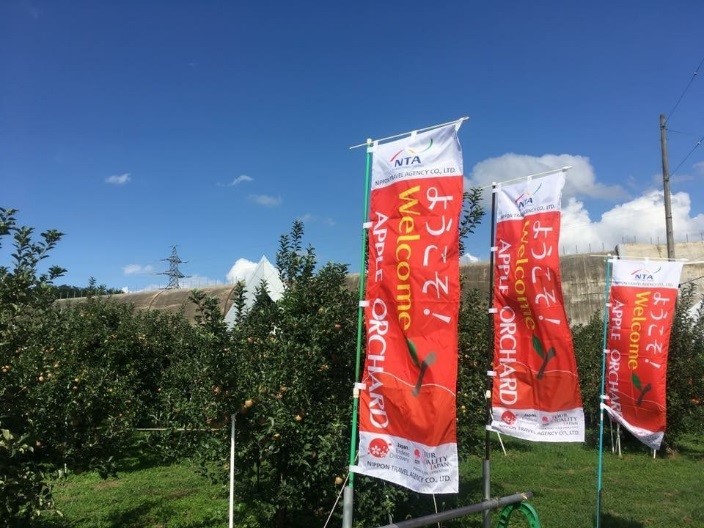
(348,502)
(232,472)
(459,512)
(460,121)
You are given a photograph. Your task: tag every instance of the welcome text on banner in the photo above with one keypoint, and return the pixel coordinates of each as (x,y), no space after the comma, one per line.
(535,392)
(407,409)
(641,307)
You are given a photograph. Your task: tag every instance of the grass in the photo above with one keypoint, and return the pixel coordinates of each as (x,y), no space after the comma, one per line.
(638,491)
(144,495)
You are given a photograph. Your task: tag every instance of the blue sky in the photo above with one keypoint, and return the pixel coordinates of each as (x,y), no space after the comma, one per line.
(133,126)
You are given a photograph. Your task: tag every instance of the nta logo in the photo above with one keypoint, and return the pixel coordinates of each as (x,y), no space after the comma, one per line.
(526,198)
(645,275)
(413,159)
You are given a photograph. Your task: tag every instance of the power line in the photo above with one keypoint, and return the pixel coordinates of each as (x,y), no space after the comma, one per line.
(681,133)
(684,91)
(688,155)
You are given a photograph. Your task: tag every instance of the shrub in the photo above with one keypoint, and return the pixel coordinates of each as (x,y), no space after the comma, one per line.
(23,490)
(25,298)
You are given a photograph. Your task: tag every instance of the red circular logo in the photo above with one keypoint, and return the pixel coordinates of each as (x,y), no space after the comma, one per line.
(509,417)
(378,448)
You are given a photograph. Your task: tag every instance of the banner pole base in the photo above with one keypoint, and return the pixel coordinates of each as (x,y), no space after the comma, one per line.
(347,506)
(486,477)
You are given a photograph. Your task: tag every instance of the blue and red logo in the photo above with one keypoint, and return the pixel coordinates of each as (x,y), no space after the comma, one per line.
(413,157)
(526,198)
(644,274)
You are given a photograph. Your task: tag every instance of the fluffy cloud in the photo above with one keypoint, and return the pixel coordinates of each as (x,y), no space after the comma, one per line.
(580,180)
(137,269)
(118,179)
(641,220)
(635,219)
(240,270)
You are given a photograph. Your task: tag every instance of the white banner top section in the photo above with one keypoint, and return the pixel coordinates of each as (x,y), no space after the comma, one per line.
(457,123)
(422,155)
(530,196)
(646,273)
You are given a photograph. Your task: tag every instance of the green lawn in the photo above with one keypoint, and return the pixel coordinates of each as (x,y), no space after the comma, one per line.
(639,491)
(143,495)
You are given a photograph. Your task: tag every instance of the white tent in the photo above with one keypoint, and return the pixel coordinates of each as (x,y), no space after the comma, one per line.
(264,271)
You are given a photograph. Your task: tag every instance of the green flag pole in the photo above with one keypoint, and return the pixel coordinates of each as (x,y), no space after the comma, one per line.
(602,396)
(348,500)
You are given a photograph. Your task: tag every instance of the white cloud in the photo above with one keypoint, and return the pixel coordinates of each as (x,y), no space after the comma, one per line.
(467,259)
(309,218)
(243,178)
(240,270)
(306,218)
(641,220)
(580,179)
(266,200)
(699,167)
(118,179)
(137,269)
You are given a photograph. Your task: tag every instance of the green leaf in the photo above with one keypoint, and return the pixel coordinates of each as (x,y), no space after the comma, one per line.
(538,346)
(413,352)
(636,381)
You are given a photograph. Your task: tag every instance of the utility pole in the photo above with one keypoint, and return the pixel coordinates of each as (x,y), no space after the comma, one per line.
(666,189)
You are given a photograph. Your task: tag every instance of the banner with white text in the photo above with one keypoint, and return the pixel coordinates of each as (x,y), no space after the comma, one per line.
(641,307)
(407,431)
(535,393)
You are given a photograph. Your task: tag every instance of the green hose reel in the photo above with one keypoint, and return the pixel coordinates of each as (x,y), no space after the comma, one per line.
(525,509)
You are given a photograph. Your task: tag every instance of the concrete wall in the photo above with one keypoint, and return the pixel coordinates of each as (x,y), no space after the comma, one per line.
(582,282)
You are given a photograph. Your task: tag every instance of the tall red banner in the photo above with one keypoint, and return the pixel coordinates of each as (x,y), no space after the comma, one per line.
(535,392)
(641,307)
(407,406)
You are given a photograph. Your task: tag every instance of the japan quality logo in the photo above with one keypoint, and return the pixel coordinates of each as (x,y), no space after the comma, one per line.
(412,156)
(378,448)
(644,274)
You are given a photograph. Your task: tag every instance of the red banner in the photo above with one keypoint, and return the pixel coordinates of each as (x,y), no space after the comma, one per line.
(535,392)
(641,307)
(407,407)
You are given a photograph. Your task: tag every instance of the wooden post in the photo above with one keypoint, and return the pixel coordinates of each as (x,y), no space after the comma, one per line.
(666,188)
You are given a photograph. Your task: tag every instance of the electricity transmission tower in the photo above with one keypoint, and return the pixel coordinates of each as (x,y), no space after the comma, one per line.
(174,273)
